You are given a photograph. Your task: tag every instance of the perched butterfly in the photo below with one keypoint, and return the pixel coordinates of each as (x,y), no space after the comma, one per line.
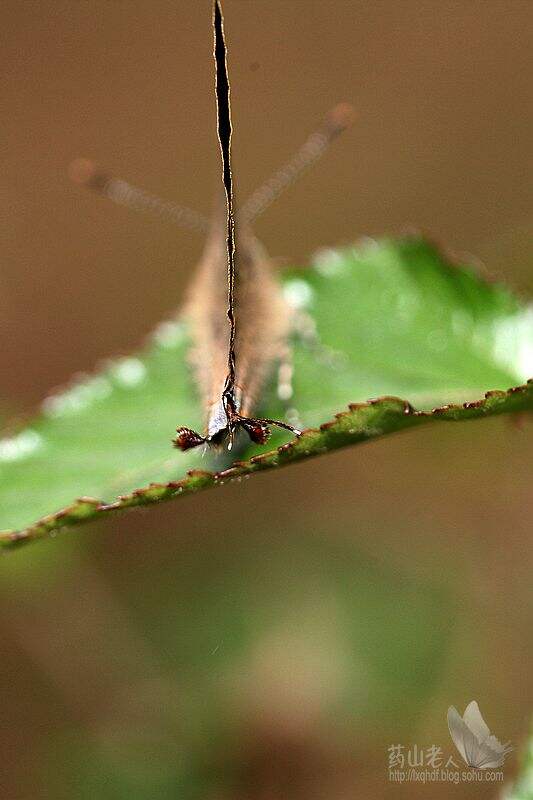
(239,320)
(470,734)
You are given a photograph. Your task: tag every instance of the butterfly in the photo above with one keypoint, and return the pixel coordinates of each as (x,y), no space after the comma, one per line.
(239,319)
(470,734)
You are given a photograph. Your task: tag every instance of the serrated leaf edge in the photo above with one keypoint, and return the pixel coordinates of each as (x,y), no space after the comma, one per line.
(353,426)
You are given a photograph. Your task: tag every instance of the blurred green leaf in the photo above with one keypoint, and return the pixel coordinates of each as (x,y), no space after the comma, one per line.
(523,786)
(263,629)
(391,318)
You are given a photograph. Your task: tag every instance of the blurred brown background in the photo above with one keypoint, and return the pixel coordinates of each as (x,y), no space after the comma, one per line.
(285,586)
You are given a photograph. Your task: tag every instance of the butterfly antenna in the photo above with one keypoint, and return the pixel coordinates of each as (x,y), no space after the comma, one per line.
(338,119)
(89,174)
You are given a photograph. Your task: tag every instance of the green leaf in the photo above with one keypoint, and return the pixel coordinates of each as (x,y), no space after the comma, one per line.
(523,786)
(391,318)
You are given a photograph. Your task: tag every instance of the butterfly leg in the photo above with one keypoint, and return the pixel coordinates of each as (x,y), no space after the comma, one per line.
(186,439)
(259,429)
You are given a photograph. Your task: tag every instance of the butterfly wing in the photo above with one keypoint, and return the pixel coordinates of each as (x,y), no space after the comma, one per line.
(475,721)
(491,752)
(462,736)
